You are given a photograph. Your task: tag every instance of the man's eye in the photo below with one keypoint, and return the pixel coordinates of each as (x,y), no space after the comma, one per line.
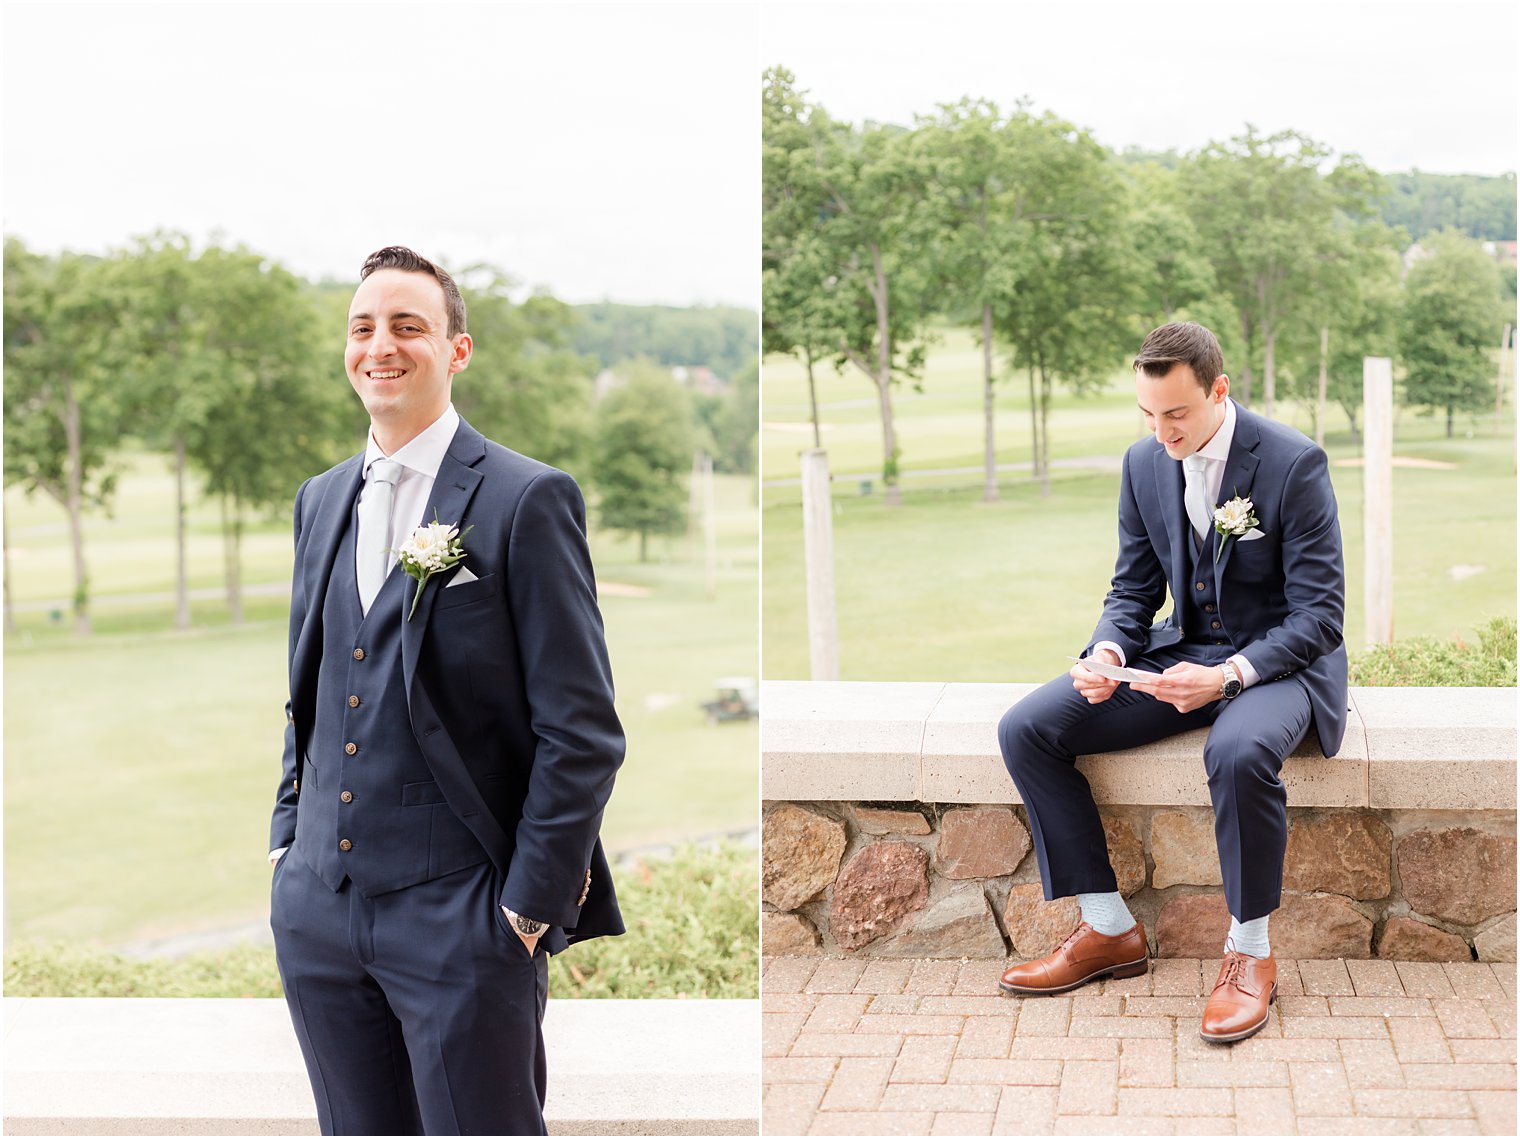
(358,330)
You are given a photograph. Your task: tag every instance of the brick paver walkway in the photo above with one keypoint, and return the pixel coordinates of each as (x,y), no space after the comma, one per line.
(928,1048)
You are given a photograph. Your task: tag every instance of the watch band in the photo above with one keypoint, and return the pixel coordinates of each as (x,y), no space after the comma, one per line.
(527,926)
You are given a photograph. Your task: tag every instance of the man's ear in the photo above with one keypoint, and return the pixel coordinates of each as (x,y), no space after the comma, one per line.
(1221,387)
(464,347)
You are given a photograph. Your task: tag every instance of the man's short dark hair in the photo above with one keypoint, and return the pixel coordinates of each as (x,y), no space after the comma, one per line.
(400,257)
(1182,342)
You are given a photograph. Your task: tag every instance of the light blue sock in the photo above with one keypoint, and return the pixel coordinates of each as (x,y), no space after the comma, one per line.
(1248,937)
(1106,913)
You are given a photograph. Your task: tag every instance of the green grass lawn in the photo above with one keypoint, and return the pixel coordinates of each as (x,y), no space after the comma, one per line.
(947,587)
(141,763)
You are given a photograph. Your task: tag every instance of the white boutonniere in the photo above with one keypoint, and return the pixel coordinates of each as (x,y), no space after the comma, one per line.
(1235,519)
(431,549)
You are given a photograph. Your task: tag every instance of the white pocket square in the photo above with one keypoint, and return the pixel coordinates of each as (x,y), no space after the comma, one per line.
(1252,535)
(461,577)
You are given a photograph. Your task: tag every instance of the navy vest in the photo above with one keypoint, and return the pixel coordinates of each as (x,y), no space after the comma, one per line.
(369,809)
(1203,622)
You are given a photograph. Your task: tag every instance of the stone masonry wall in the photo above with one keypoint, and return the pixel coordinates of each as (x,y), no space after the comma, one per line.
(926,880)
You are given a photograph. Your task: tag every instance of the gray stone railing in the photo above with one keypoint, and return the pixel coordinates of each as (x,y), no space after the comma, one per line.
(892,829)
(94,1066)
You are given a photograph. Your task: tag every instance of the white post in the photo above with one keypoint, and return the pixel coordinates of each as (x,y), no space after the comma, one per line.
(818,555)
(1377,497)
(710,526)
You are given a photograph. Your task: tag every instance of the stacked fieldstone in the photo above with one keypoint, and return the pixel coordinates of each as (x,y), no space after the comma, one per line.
(960,881)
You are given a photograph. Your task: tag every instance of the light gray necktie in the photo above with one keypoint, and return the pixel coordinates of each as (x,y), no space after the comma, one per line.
(1195,494)
(374,557)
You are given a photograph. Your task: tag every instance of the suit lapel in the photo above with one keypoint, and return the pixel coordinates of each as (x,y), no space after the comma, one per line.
(1239,472)
(327,525)
(453,489)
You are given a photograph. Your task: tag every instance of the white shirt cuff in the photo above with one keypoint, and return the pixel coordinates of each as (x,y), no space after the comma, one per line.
(1117,651)
(274,855)
(1248,675)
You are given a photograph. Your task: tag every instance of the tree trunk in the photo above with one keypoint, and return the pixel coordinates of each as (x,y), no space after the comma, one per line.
(1243,394)
(989,479)
(643,546)
(1044,434)
(1034,427)
(181,576)
(232,541)
(5,545)
(893,494)
(1451,412)
(807,356)
(74,504)
(1324,379)
(1269,369)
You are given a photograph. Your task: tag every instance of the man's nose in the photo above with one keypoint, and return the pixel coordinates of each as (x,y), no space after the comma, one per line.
(381,344)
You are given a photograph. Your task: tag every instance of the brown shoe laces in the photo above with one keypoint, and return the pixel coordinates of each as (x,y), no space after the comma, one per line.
(1235,968)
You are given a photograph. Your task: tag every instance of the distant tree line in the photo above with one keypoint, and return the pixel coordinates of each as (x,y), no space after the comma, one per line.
(231,367)
(720,338)
(1481,207)
(1059,255)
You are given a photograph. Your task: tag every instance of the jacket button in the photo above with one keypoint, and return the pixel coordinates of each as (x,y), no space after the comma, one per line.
(345,845)
(351,748)
(347,796)
(353,701)
(1198,585)
(358,654)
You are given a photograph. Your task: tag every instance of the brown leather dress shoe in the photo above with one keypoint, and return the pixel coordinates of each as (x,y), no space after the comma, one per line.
(1084,956)
(1242,995)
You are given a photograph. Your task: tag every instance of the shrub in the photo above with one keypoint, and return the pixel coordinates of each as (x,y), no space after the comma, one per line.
(1424,662)
(693,931)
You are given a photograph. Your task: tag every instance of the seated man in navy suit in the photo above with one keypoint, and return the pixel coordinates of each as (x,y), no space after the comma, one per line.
(449,748)
(1235,514)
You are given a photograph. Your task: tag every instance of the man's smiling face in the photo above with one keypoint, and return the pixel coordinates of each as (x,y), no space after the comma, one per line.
(1177,408)
(400,358)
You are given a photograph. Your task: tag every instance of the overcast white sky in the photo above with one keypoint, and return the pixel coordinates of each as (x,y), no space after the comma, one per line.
(1429,84)
(601,150)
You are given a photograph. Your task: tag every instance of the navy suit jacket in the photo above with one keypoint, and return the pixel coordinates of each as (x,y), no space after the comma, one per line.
(1282,597)
(508,684)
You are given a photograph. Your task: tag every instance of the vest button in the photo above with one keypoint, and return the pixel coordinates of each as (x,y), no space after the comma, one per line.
(351,749)
(1214,625)
(359,653)
(1198,585)
(347,796)
(345,845)
(353,701)
(1208,607)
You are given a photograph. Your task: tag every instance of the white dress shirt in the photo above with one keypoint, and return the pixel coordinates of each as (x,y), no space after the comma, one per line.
(1216,452)
(420,459)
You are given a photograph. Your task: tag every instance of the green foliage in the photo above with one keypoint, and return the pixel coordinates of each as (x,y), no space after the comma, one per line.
(1481,207)
(731,421)
(1425,662)
(1451,322)
(526,387)
(693,931)
(59,969)
(717,337)
(643,448)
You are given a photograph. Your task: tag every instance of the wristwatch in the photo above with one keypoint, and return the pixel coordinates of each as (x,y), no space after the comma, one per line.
(1232,686)
(526,926)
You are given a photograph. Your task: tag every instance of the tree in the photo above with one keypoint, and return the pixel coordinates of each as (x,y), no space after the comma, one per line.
(864,246)
(525,387)
(274,409)
(1269,220)
(1450,323)
(1173,268)
(63,392)
(641,450)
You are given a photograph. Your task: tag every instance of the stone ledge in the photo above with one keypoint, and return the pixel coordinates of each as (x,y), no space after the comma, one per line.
(92,1066)
(1405,748)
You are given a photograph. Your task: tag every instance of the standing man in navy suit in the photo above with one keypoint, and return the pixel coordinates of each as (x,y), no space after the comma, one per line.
(1252,650)
(449,747)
